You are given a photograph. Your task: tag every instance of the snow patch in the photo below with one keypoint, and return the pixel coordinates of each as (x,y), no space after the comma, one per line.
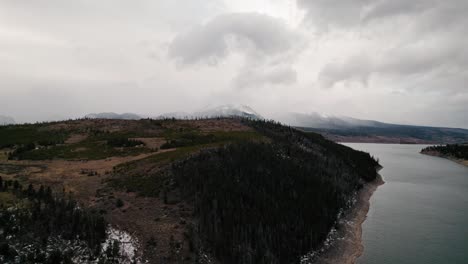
(128,245)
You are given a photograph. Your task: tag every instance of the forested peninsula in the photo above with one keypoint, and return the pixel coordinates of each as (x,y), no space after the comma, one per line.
(455,152)
(218,190)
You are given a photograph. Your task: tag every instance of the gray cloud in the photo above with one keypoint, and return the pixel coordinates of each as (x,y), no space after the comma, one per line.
(387,8)
(325,13)
(427,58)
(406,41)
(403,21)
(255,34)
(267,43)
(351,13)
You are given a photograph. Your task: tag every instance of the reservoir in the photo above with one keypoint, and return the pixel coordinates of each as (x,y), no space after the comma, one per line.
(420,214)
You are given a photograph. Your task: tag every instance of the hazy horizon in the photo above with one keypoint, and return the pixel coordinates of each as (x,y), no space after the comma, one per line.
(393,61)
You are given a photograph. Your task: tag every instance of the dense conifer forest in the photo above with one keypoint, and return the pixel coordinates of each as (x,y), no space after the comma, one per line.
(271,202)
(38,226)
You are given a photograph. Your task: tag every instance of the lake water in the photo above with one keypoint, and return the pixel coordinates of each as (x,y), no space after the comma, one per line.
(420,214)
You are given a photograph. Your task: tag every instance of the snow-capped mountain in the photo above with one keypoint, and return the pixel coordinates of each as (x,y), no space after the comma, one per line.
(228,110)
(6,120)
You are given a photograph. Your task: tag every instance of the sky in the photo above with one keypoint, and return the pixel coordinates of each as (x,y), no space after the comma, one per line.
(395,61)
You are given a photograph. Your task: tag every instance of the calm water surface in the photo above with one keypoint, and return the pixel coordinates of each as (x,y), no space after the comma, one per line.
(420,215)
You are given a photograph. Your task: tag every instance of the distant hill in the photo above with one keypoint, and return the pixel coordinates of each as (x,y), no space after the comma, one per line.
(111,115)
(6,120)
(347,129)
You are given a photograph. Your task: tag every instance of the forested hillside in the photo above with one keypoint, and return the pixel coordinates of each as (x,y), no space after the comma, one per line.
(220,190)
(261,201)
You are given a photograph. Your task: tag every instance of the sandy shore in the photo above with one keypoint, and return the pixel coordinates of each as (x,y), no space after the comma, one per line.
(347,247)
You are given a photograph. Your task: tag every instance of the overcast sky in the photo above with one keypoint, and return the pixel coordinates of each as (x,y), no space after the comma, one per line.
(390,60)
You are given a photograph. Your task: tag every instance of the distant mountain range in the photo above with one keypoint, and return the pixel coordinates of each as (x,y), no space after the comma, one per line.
(348,129)
(6,120)
(208,112)
(336,128)
(316,120)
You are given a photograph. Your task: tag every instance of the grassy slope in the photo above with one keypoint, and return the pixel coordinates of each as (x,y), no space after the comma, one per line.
(49,141)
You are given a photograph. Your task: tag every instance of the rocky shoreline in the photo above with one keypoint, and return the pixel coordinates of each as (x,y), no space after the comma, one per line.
(347,247)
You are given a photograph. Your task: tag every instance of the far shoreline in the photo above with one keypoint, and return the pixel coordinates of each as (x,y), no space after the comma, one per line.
(348,247)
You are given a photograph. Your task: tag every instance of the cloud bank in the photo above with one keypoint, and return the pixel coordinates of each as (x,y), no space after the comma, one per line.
(391,60)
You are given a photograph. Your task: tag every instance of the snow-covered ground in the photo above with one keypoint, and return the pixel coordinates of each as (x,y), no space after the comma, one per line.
(128,244)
